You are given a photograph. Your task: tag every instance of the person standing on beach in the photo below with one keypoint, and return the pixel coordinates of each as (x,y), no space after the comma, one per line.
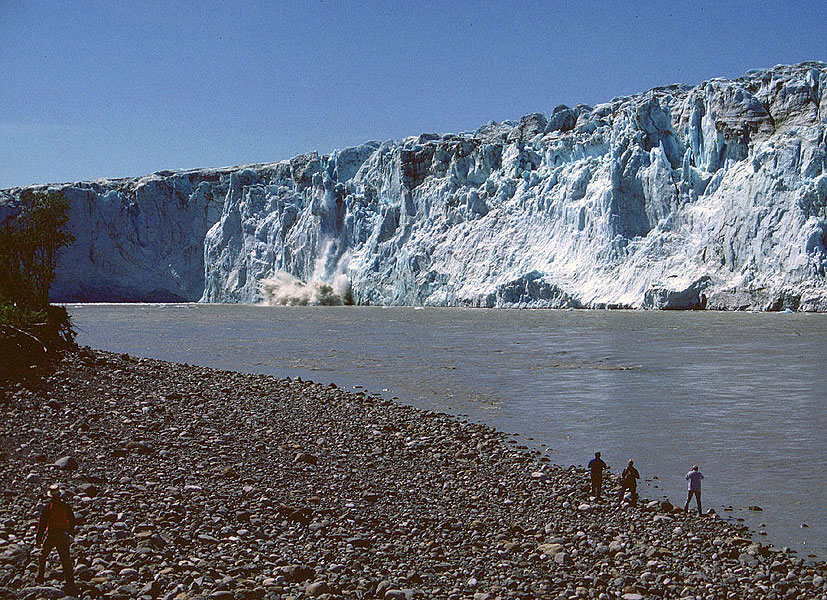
(694,478)
(628,481)
(596,466)
(56,524)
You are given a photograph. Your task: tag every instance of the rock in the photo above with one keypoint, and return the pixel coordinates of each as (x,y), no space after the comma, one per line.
(229,472)
(405,594)
(48,592)
(316,589)
(551,549)
(303,457)
(66,463)
(15,554)
(413,578)
(90,489)
(755,549)
(746,559)
(657,552)
(297,573)
(138,447)
(382,587)
(777,566)
(295,514)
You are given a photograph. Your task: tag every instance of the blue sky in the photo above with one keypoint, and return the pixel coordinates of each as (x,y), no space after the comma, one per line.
(113,89)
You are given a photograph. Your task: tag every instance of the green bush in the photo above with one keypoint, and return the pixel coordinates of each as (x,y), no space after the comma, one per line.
(28,249)
(31,330)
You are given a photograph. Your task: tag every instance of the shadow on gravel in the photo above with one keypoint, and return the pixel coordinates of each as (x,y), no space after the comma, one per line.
(28,354)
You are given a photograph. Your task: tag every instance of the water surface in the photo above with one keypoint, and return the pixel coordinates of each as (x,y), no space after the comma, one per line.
(741,395)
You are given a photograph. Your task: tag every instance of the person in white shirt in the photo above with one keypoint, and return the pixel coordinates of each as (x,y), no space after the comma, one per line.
(694,478)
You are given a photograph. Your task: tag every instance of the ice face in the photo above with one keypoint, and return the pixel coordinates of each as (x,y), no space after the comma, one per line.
(681,197)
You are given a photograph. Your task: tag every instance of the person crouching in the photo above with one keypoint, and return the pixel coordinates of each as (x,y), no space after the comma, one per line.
(628,481)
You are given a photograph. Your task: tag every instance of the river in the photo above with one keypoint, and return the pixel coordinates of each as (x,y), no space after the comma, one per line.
(742,395)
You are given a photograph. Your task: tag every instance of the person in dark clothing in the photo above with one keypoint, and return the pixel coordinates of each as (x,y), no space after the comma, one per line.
(596,466)
(628,481)
(56,524)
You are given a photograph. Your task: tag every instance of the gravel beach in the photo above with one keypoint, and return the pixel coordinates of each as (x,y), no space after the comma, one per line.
(191,483)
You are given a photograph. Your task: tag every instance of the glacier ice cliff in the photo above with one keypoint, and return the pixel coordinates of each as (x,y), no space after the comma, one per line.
(682,197)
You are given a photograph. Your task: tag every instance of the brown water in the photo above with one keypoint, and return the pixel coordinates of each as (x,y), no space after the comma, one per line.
(742,395)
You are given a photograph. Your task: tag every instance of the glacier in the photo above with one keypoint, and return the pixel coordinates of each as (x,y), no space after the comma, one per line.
(712,196)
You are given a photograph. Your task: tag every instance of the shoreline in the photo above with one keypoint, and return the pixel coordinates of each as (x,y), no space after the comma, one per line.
(211,483)
(633,309)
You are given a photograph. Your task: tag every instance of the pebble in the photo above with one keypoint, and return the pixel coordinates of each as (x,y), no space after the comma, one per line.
(66,463)
(317,589)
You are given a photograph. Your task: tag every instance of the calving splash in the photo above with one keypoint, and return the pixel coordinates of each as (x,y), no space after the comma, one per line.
(285,290)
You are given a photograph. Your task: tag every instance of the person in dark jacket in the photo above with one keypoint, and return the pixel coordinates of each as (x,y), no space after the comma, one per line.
(596,466)
(628,481)
(56,524)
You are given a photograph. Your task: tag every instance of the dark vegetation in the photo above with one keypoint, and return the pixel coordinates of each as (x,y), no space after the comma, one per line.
(32,332)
